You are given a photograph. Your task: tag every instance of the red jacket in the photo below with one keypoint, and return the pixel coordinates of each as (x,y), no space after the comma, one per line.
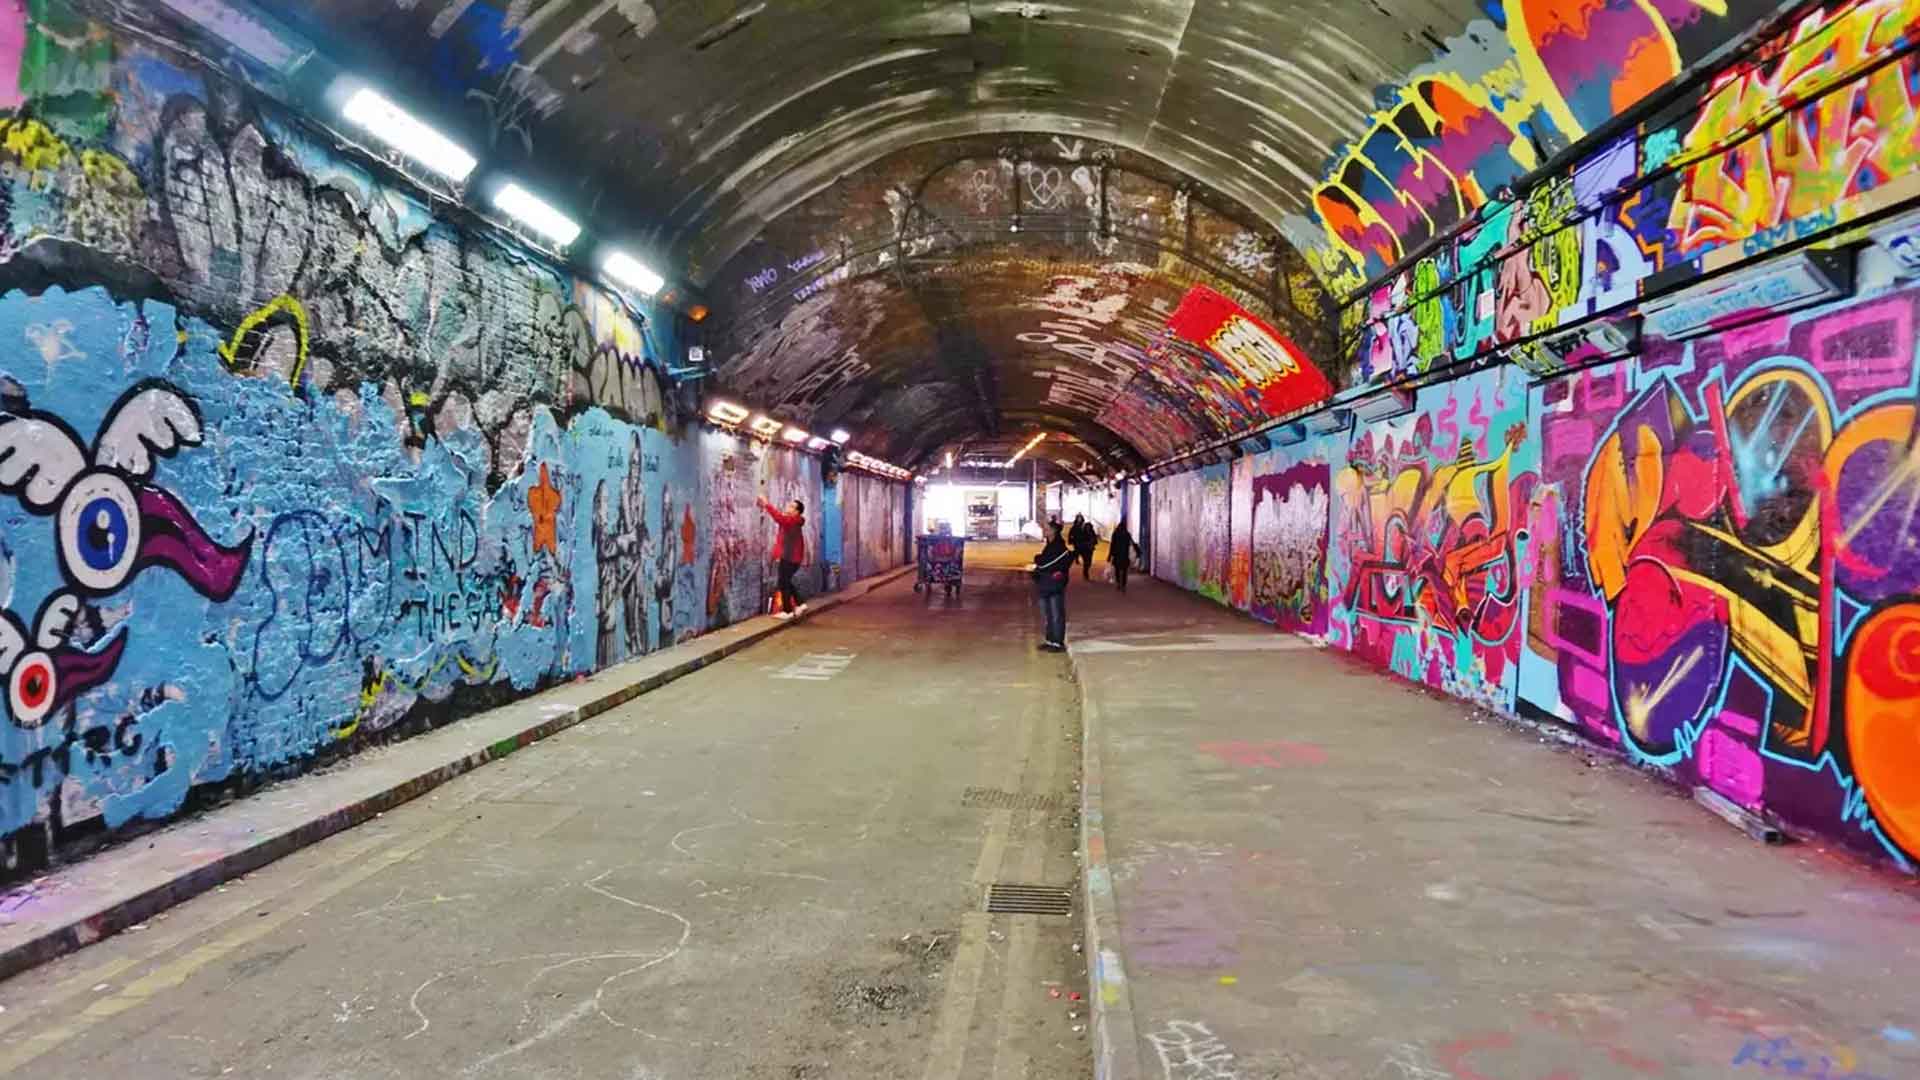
(791,544)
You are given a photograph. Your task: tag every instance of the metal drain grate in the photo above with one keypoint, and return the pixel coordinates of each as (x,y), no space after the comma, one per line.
(1005,899)
(996,799)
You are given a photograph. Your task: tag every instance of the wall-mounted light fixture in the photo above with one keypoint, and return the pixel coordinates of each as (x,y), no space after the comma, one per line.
(1328,422)
(726,412)
(530,210)
(406,133)
(1384,403)
(1775,287)
(632,273)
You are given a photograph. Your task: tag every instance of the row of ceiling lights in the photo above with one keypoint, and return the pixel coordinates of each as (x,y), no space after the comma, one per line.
(731,416)
(412,137)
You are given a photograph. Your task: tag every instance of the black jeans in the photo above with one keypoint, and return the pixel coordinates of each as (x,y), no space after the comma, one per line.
(1120,569)
(1085,556)
(1054,606)
(789,595)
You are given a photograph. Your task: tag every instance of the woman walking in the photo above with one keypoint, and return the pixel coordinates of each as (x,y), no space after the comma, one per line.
(1084,538)
(1050,573)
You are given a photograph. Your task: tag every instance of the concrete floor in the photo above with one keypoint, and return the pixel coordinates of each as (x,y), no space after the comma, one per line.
(771,868)
(1324,873)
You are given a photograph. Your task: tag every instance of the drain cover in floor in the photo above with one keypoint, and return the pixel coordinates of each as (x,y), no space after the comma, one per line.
(1005,899)
(996,799)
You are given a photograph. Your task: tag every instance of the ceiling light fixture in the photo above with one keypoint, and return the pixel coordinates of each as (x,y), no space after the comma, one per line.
(795,435)
(528,209)
(766,426)
(840,436)
(1031,443)
(817,444)
(631,272)
(726,412)
(406,133)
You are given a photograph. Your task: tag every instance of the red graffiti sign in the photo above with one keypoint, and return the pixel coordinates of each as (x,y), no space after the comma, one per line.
(1256,352)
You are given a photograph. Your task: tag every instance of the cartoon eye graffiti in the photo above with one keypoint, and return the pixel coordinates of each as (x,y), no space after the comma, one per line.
(40,681)
(31,686)
(110,521)
(99,532)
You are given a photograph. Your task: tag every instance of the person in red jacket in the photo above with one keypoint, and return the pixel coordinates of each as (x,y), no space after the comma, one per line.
(790,551)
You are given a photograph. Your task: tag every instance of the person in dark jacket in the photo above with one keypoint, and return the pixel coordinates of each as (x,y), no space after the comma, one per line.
(1084,538)
(1120,554)
(790,551)
(1051,569)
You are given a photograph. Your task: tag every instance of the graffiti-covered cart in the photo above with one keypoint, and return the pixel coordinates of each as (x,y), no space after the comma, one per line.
(941,560)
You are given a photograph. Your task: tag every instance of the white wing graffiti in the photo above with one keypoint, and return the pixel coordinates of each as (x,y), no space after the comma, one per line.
(13,641)
(38,460)
(156,420)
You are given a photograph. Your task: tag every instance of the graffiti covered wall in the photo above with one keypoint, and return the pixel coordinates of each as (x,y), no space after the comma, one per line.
(1728,570)
(1706,556)
(288,464)
(1814,130)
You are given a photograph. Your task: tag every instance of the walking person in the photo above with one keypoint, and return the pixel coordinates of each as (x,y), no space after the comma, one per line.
(790,551)
(1084,538)
(1051,570)
(1120,554)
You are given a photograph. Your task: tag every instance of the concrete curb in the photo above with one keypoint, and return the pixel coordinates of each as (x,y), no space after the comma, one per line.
(1116,1041)
(126,897)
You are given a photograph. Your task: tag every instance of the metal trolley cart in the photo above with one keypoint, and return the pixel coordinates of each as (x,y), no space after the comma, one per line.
(941,559)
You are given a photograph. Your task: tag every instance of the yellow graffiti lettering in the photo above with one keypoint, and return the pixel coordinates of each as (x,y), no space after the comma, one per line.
(247,338)
(34,147)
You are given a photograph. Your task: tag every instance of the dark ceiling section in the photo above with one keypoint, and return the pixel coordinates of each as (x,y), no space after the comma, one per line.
(698,121)
(1004,287)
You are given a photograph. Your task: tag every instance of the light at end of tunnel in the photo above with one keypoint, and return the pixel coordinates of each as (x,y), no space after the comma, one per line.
(840,436)
(530,210)
(795,435)
(406,133)
(631,272)
(766,426)
(949,459)
(726,412)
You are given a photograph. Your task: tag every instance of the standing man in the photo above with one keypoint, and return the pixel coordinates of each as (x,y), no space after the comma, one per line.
(1084,539)
(1120,554)
(1051,571)
(790,551)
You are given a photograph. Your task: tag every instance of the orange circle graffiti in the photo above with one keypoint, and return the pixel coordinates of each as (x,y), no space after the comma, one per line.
(1883,719)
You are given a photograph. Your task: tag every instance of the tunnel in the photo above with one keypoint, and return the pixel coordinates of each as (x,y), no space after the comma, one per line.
(960,539)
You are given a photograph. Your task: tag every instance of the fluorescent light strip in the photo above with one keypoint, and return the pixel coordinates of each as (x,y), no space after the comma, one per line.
(404,132)
(631,272)
(523,206)
(1031,443)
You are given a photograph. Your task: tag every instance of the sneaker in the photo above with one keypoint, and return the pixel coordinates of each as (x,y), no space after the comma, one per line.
(1053,646)
(783,616)
(800,609)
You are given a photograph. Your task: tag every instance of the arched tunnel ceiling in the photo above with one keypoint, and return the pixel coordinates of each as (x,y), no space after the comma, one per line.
(727,137)
(903,303)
